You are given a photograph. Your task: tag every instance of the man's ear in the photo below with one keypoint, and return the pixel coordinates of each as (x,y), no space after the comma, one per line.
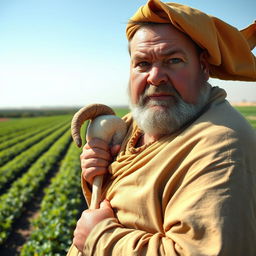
(204,64)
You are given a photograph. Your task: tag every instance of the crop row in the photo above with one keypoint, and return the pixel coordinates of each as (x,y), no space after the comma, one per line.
(13,168)
(59,210)
(18,138)
(7,154)
(14,127)
(23,190)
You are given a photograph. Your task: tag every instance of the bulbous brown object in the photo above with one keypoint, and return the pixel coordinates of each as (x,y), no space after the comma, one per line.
(89,112)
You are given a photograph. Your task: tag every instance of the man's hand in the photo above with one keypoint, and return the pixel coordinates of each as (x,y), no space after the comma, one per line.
(96,157)
(88,220)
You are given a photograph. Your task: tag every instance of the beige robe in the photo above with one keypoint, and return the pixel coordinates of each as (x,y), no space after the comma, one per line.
(190,193)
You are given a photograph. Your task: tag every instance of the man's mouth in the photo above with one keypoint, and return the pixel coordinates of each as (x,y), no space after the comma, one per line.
(159,97)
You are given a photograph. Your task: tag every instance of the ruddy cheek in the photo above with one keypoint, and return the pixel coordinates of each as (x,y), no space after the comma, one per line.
(180,80)
(138,85)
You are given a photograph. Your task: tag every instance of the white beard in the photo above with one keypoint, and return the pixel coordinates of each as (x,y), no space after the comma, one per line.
(171,116)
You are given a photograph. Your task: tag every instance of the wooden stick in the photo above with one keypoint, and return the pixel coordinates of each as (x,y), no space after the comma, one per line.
(96,194)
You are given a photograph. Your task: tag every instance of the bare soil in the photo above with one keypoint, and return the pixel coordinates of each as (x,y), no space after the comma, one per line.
(3,119)
(251,117)
(22,229)
(247,104)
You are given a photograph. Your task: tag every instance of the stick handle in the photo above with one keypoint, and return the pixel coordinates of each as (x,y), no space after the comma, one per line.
(96,192)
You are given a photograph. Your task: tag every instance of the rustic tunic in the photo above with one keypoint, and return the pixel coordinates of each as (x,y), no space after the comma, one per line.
(190,193)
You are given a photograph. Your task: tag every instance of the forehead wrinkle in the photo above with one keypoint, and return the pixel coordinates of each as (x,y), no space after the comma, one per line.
(144,50)
(150,36)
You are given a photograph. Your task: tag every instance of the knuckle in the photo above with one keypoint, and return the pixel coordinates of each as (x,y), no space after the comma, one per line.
(94,162)
(89,173)
(84,153)
(84,163)
(96,152)
(84,214)
(86,146)
(85,175)
(81,156)
(98,143)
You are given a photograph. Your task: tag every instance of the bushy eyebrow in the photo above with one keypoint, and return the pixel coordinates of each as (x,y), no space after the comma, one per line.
(173,51)
(142,56)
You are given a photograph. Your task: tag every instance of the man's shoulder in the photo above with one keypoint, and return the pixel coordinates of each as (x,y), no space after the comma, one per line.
(223,117)
(222,127)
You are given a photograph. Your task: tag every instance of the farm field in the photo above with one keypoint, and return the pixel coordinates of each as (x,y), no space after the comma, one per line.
(249,112)
(40,193)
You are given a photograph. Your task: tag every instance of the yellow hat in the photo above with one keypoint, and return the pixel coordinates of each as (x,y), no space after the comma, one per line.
(229,50)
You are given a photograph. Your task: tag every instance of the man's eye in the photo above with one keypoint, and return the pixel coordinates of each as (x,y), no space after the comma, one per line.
(175,61)
(143,64)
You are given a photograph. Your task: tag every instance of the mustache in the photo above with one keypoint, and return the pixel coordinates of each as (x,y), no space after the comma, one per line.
(164,89)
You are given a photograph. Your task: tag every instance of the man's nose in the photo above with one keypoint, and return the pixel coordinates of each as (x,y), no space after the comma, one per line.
(157,76)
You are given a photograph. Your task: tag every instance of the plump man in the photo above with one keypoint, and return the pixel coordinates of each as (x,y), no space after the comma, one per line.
(183,180)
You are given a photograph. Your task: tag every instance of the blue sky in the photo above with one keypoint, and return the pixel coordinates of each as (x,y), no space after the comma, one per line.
(73,53)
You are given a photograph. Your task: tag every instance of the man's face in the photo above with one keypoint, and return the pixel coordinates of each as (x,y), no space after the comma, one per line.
(167,74)
(162,55)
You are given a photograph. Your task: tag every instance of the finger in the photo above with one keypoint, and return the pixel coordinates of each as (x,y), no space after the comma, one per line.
(90,173)
(97,143)
(105,204)
(95,153)
(78,242)
(94,162)
(115,149)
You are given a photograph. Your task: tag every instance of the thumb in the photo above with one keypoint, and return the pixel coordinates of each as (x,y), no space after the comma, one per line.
(105,204)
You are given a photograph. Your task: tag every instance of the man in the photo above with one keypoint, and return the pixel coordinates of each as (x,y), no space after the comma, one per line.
(183,181)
